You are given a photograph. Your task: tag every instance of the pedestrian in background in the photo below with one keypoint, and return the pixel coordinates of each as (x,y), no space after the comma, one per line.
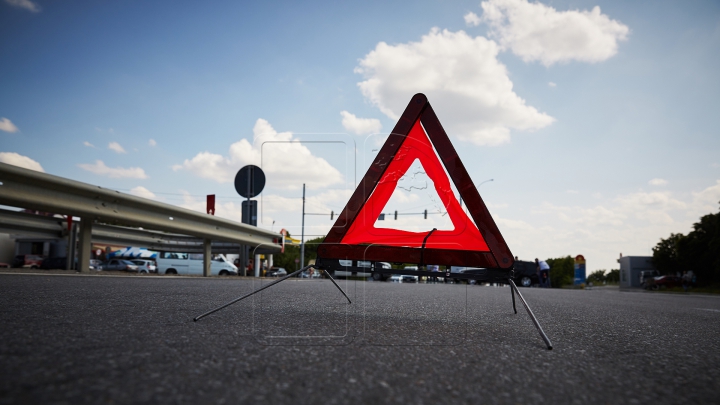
(686,279)
(543,270)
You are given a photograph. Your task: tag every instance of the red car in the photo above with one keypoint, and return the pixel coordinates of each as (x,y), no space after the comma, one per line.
(657,283)
(32,261)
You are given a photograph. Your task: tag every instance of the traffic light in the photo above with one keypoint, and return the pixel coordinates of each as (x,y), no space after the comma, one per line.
(425,214)
(332,214)
(396,215)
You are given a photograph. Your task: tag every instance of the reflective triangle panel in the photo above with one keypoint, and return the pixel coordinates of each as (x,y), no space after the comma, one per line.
(417,145)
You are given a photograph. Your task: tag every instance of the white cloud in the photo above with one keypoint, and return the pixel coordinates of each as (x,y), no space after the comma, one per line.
(630,223)
(141,191)
(657,182)
(152,142)
(360,126)
(116,147)
(707,200)
(16,159)
(552,84)
(7,125)
(468,87)
(88,144)
(290,163)
(26,4)
(472,19)
(114,172)
(536,32)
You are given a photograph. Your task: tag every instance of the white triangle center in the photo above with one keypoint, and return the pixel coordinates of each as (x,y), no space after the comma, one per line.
(414,194)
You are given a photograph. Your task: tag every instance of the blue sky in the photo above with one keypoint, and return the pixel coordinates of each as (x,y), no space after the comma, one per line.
(599,127)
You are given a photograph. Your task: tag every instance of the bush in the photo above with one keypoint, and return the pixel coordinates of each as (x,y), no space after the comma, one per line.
(596,277)
(562,271)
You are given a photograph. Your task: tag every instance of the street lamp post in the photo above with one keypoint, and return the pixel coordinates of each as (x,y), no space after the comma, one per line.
(478,186)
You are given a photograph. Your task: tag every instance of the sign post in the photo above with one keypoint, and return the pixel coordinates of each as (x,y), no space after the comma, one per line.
(249,183)
(579,278)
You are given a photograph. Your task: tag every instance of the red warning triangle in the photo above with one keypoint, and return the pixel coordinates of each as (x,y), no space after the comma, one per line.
(417,145)
(417,135)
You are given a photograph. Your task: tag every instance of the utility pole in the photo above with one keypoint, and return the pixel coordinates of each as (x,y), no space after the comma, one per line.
(302,233)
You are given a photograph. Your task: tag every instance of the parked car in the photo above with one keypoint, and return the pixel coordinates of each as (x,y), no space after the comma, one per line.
(410,279)
(646,275)
(275,272)
(657,283)
(54,263)
(314,274)
(121,265)
(96,264)
(382,277)
(456,270)
(31,261)
(145,266)
(525,274)
(4,265)
(396,278)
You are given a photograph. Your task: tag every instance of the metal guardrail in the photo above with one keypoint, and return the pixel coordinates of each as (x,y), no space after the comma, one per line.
(25,188)
(38,226)
(44,192)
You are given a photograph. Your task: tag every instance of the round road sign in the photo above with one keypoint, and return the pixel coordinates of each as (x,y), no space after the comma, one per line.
(249,181)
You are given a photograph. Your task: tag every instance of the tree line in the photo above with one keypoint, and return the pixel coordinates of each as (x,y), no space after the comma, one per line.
(286,260)
(562,272)
(698,251)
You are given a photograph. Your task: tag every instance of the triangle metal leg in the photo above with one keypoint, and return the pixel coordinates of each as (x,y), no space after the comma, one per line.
(532,316)
(338,287)
(512,293)
(197,318)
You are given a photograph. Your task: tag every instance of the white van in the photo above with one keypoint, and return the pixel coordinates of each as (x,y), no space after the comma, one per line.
(184,263)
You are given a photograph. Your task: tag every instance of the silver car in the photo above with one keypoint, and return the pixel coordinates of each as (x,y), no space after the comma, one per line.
(122,265)
(145,266)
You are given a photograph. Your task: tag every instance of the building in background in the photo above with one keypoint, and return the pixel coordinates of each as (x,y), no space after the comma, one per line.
(634,269)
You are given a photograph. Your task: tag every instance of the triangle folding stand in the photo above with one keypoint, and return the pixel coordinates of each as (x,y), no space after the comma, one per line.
(478,243)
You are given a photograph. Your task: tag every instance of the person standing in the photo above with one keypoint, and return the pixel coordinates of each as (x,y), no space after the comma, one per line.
(686,279)
(543,270)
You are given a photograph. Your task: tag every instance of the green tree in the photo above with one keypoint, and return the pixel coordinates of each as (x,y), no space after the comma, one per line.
(597,276)
(698,251)
(562,271)
(666,254)
(287,259)
(613,276)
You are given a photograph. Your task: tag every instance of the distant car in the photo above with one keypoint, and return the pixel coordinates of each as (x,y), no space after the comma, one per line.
(525,274)
(4,265)
(95,264)
(145,266)
(396,278)
(410,279)
(382,277)
(456,270)
(314,274)
(646,275)
(657,283)
(275,272)
(121,265)
(31,261)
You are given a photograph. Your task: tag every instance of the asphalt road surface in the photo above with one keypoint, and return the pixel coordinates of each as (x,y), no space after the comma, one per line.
(116,340)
